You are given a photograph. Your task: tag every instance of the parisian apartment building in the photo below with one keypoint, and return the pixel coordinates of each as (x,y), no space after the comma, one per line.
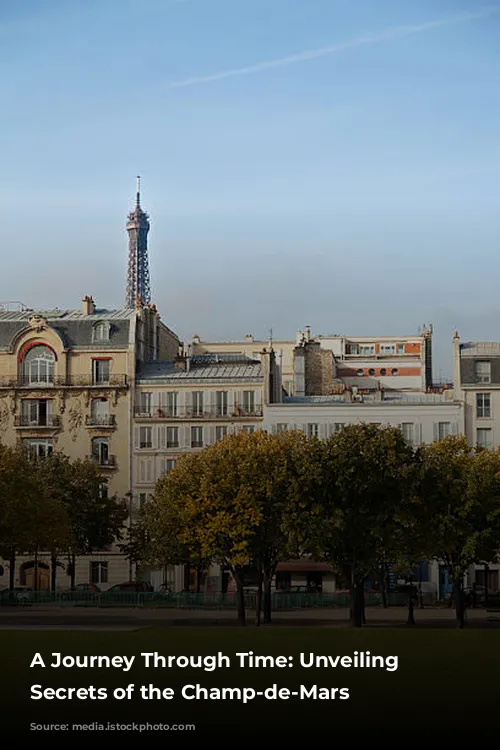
(67,383)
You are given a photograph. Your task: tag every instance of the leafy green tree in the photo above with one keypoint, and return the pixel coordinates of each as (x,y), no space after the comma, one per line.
(460,490)
(18,494)
(96,519)
(363,472)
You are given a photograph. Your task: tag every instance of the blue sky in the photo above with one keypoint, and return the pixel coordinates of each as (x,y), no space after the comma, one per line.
(355,190)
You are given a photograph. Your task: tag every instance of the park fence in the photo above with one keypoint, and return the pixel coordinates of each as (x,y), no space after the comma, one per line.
(110,599)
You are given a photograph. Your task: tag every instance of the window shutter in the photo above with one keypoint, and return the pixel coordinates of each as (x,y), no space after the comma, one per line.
(274,429)
(418,434)
(454,428)
(436,431)
(137,437)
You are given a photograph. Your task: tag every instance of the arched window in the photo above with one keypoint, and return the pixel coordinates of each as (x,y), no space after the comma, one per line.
(38,366)
(101,331)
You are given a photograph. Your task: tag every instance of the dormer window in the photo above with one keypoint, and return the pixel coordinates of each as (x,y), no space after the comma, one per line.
(101,331)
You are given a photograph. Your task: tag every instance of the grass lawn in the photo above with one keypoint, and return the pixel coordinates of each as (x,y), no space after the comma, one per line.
(441,675)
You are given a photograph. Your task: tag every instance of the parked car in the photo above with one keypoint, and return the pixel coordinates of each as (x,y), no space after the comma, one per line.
(139,587)
(480,594)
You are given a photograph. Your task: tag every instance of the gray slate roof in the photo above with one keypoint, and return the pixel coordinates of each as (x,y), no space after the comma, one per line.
(167,371)
(74,328)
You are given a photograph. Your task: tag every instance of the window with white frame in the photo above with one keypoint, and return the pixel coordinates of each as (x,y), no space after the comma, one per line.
(101,331)
(281,427)
(444,429)
(484,437)
(169,464)
(146,470)
(101,371)
(99,571)
(249,402)
(39,447)
(145,437)
(338,426)
(249,428)
(387,349)
(36,412)
(483,405)
(172,437)
(144,405)
(367,349)
(100,411)
(313,430)
(100,450)
(220,432)
(483,371)
(221,403)
(169,403)
(197,403)
(196,437)
(38,366)
(408,430)
(400,349)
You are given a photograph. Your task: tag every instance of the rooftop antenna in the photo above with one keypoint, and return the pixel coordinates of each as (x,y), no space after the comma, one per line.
(138,196)
(270,338)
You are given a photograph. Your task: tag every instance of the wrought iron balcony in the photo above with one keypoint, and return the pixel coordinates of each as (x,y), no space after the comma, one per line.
(100,420)
(48,422)
(108,462)
(192,413)
(71,381)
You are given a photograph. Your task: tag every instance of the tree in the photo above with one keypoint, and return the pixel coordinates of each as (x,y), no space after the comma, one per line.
(216,514)
(460,490)
(96,519)
(161,529)
(18,493)
(362,488)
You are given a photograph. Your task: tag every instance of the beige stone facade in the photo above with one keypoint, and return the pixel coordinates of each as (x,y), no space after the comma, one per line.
(402,363)
(185,405)
(67,382)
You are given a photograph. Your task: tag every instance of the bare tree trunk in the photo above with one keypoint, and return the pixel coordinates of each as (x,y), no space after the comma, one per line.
(411,608)
(357,602)
(72,563)
(240,601)
(12,569)
(268,577)
(258,600)
(383,589)
(35,573)
(53,573)
(459,603)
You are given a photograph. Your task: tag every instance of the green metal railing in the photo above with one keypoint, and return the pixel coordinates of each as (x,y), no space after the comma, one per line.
(279,601)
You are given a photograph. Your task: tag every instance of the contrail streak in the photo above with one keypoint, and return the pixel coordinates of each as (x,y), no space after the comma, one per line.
(374,38)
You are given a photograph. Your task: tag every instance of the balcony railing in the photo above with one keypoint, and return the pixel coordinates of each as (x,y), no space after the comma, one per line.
(48,422)
(108,462)
(100,420)
(69,381)
(188,412)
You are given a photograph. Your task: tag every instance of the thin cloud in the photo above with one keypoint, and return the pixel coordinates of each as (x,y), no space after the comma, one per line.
(374,38)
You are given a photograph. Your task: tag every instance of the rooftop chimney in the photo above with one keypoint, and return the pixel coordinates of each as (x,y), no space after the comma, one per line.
(308,333)
(88,306)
